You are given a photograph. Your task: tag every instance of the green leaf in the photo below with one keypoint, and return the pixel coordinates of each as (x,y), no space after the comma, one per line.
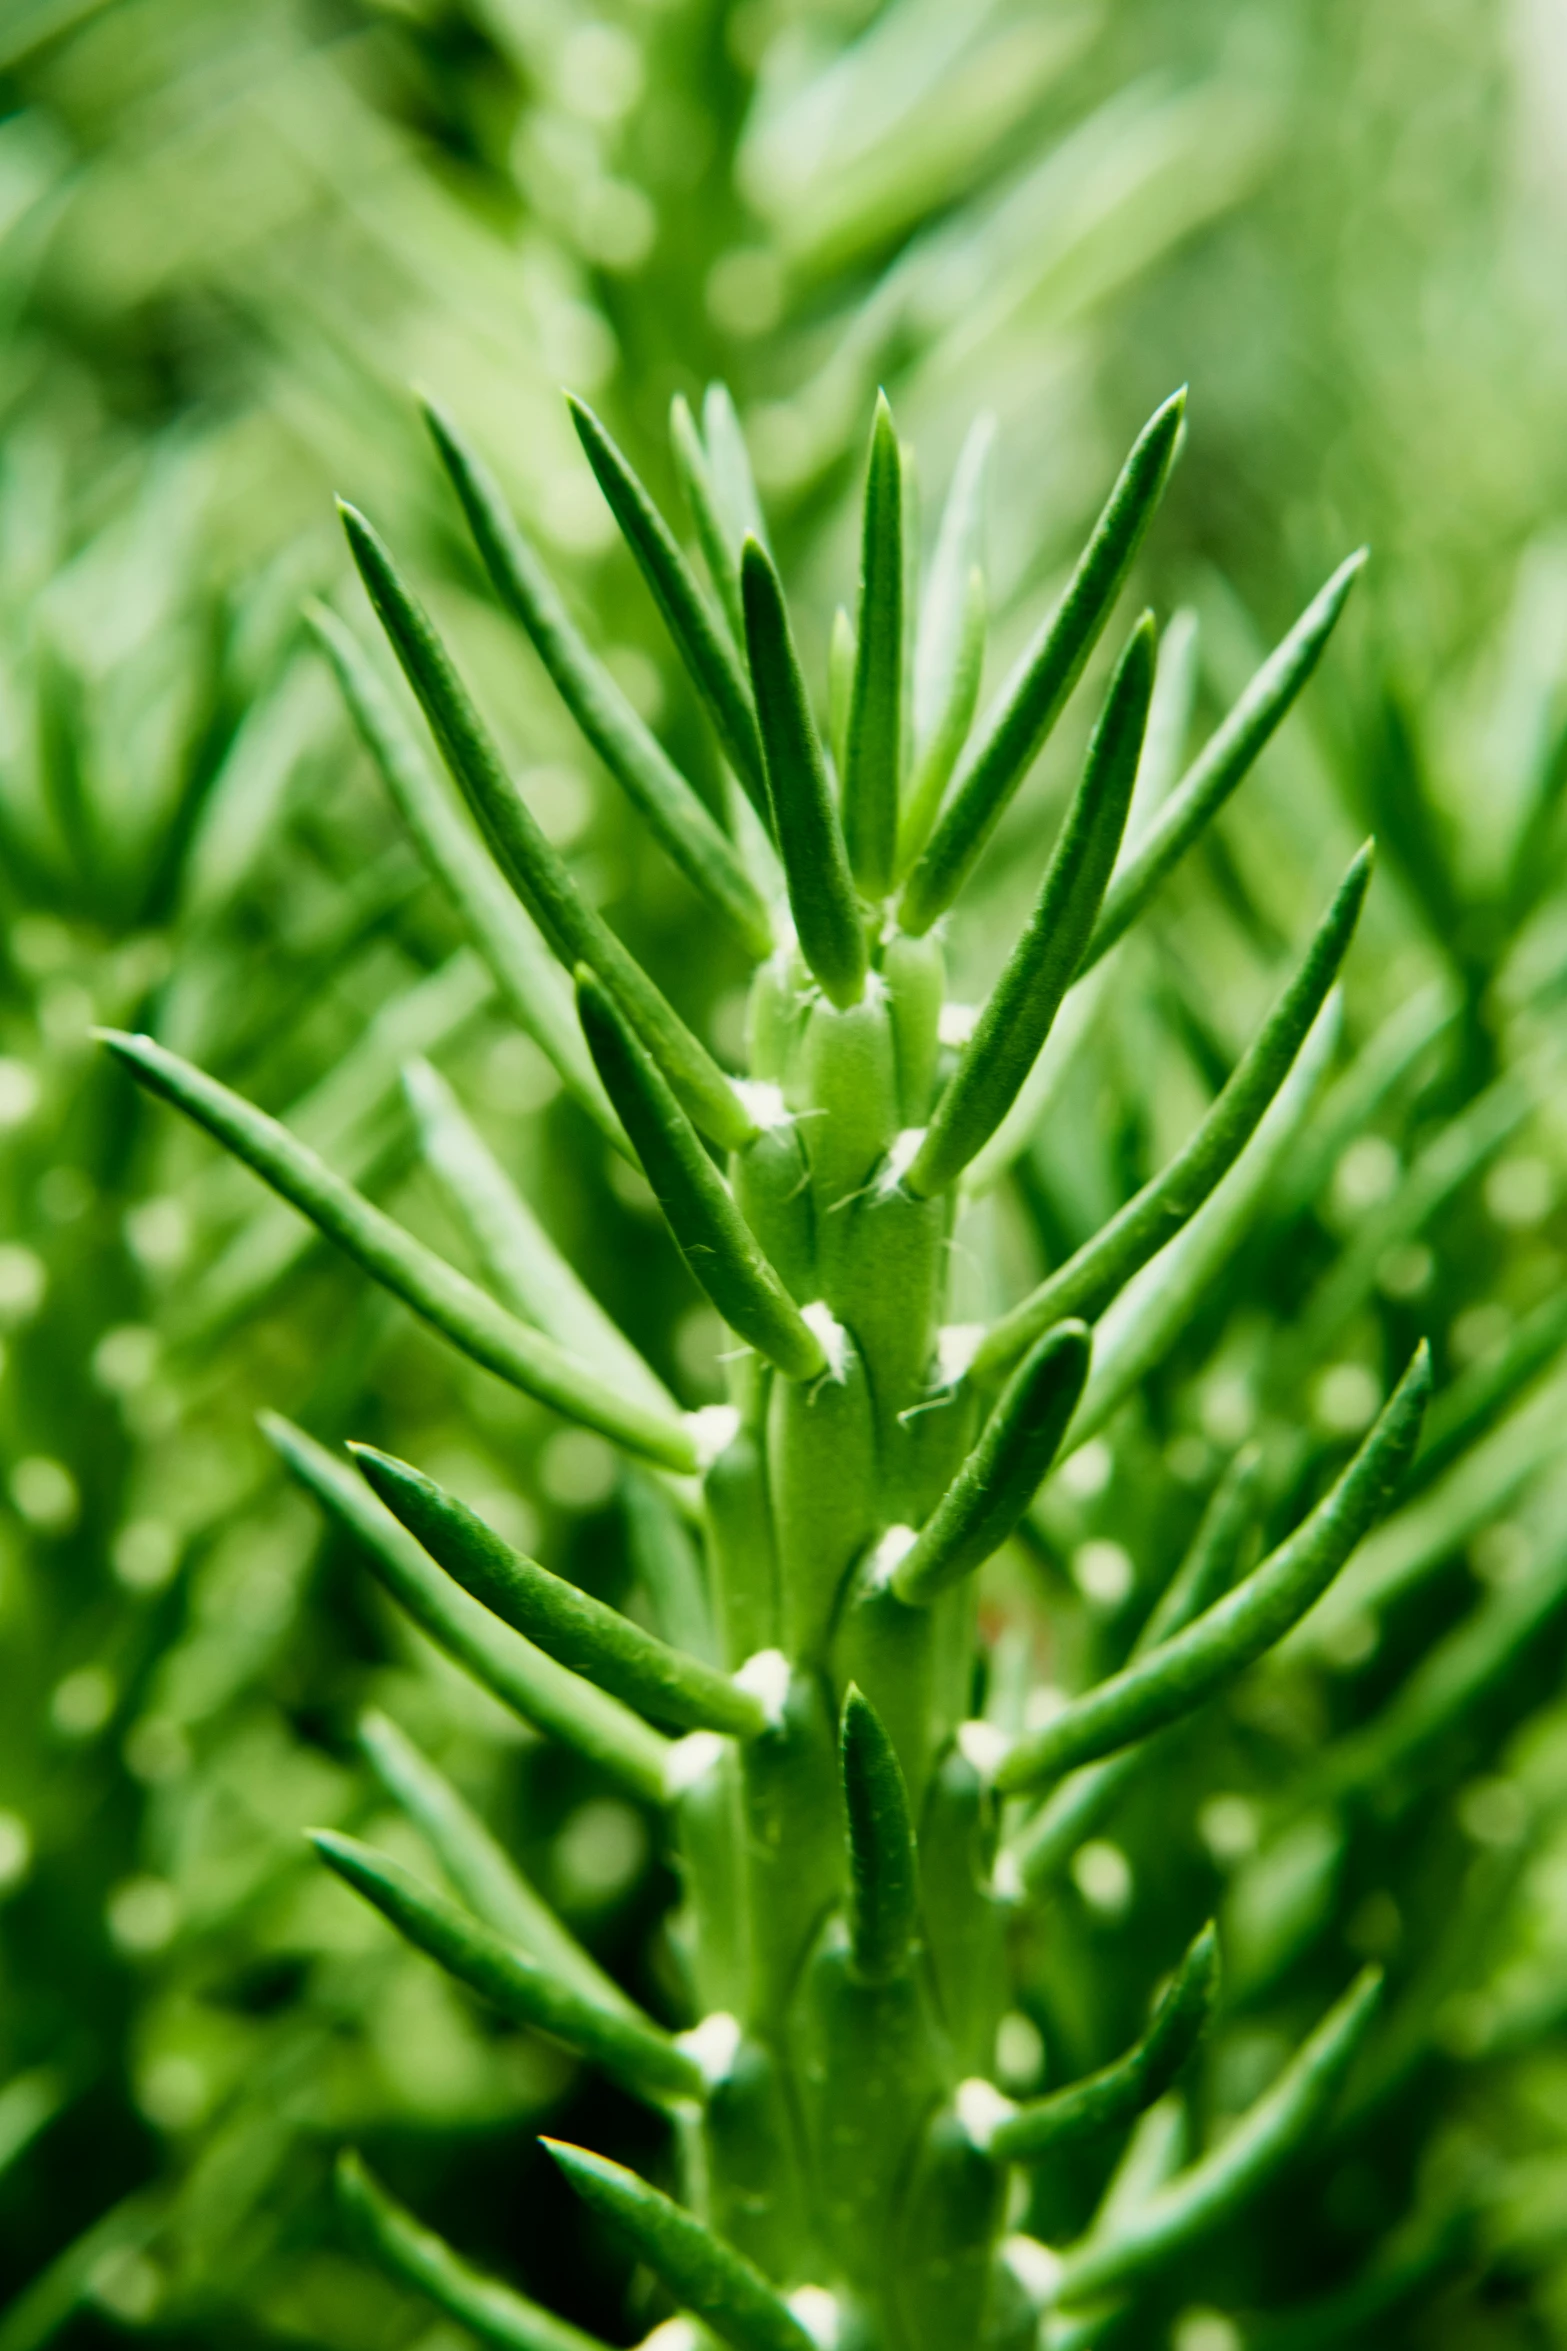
(544,1694)
(517,1254)
(628,748)
(883,1859)
(1150,1315)
(569,1625)
(810,839)
(1176,1677)
(710,659)
(1040,969)
(669,1567)
(1450,1685)
(419,2258)
(1169,723)
(949,657)
(1139,1230)
(572,927)
(503,932)
(936,759)
(1224,760)
(1033,698)
(842,654)
(1119,2091)
(714,1238)
(873,744)
(1071,1812)
(1000,1477)
(703,2274)
(1473,1404)
(1214,2190)
(629,2046)
(720,554)
(488,1881)
(426,1283)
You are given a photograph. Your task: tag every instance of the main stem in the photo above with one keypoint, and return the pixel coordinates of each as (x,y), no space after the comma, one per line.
(823,2155)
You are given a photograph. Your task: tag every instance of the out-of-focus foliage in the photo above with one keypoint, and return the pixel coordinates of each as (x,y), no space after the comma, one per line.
(229,240)
(242,231)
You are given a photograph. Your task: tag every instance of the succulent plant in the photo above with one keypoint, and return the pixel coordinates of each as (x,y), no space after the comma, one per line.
(861,1800)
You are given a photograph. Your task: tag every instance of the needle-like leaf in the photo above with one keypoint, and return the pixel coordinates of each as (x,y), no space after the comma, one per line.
(715,1240)
(873,745)
(574,929)
(1072,1811)
(517,1254)
(1224,760)
(1265,2138)
(883,1861)
(705,2276)
(709,657)
(1033,698)
(549,1697)
(1098,1269)
(496,2314)
(628,748)
(503,931)
(629,2046)
(435,1290)
(1176,1677)
(488,1881)
(950,653)
(568,1624)
(1122,2090)
(998,1480)
(810,839)
(720,555)
(1026,998)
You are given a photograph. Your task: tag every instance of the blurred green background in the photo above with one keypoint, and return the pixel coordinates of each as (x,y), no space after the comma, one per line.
(230,238)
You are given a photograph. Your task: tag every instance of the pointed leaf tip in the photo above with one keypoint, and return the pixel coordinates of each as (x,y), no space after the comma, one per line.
(883,1860)
(570,1625)
(713,1237)
(1022,1007)
(704,2274)
(999,1479)
(822,898)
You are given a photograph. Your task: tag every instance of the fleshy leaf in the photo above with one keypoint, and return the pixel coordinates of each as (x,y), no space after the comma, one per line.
(714,1238)
(629,2046)
(810,839)
(1185,1670)
(1136,1232)
(515,1251)
(485,1876)
(1032,700)
(1024,1002)
(496,2314)
(1000,1477)
(628,747)
(435,1290)
(1134,2081)
(1261,2143)
(709,658)
(544,1694)
(573,928)
(883,1861)
(503,931)
(873,754)
(705,2276)
(1224,760)
(568,1624)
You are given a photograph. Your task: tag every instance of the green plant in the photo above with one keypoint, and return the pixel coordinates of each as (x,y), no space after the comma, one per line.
(849,1752)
